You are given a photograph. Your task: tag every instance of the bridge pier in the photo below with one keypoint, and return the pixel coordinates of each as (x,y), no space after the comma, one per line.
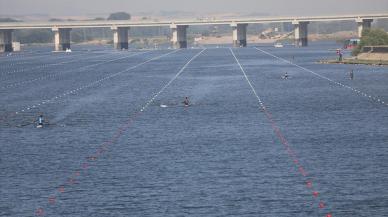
(363,24)
(120,37)
(239,34)
(179,36)
(301,33)
(6,40)
(62,38)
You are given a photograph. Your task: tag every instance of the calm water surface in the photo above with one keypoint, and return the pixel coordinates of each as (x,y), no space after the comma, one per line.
(219,157)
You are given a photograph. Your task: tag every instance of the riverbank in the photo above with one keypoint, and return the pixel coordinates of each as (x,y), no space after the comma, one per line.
(356,62)
(375,55)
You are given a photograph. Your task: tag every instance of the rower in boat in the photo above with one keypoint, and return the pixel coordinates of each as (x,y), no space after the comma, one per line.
(186,103)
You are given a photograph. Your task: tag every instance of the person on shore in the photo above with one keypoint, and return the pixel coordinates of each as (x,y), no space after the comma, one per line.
(339,53)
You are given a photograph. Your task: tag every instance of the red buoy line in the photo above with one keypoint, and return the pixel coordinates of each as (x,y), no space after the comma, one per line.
(4,117)
(41,66)
(374,98)
(74,176)
(55,74)
(291,153)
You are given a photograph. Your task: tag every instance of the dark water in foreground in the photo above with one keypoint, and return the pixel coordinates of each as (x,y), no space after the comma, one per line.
(219,157)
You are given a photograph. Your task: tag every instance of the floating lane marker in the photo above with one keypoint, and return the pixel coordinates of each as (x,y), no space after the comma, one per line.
(53,75)
(376,99)
(283,140)
(76,90)
(52,199)
(9,66)
(48,75)
(43,66)
(13,58)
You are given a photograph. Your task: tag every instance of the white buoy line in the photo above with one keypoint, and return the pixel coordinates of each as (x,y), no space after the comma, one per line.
(247,79)
(172,80)
(46,65)
(76,90)
(374,98)
(15,63)
(30,59)
(83,68)
(9,66)
(24,56)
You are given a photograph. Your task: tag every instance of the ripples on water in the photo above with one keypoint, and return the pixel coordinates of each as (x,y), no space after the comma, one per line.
(219,157)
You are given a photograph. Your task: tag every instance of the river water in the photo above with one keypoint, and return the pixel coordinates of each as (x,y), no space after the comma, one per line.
(118,141)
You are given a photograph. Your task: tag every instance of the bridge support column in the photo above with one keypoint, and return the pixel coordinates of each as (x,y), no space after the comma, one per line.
(120,37)
(363,24)
(301,33)
(239,34)
(179,36)
(6,40)
(62,38)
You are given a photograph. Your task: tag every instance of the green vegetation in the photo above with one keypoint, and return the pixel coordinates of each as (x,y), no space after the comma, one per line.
(99,18)
(119,16)
(371,37)
(55,20)
(7,20)
(141,42)
(82,35)
(28,36)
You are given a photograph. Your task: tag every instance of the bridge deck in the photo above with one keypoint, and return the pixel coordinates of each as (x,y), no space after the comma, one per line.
(107,24)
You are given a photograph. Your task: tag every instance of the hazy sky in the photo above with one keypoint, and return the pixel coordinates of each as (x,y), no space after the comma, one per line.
(274,7)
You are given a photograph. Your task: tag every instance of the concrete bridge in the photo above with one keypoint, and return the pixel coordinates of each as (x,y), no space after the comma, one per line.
(120,29)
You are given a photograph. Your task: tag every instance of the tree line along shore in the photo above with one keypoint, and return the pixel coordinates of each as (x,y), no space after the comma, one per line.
(371,50)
